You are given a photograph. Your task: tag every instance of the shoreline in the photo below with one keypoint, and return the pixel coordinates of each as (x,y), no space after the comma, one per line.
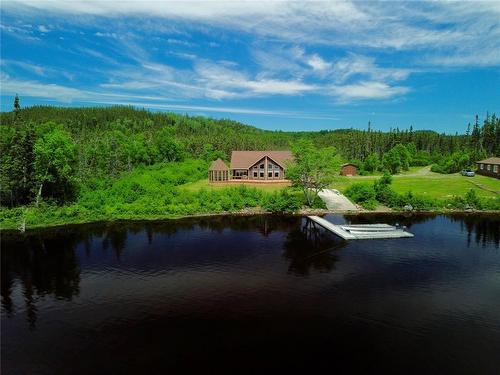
(246,212)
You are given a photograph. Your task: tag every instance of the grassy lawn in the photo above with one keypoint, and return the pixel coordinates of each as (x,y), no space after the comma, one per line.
(435,185)
(203,184)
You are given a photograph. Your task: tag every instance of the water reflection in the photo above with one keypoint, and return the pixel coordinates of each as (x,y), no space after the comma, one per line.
(482,229)
(407,219)
(44,265)
(140,297)
(45,262)
(311,247)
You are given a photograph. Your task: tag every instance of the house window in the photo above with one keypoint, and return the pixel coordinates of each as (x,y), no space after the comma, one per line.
(269,166)
(488,167)
(255,174)
(495,168)
(254,167)
(262,166)
(269,174)
(481,166)
(240,173)
(276,174)
(262,174)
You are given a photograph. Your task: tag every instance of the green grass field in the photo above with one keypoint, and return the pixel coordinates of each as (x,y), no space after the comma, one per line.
(203,184)
(435,185)
(418,180)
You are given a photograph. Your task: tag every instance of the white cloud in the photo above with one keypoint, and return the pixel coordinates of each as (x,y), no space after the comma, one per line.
(367,90)
(43,29)
(180,42)
(106,35)
(67,95)
(317,63)
(439,27)
(216,76)
(363,66)
(99,55)
(287,49)
(33,68)
(23,33)
(237,110)
(35,89)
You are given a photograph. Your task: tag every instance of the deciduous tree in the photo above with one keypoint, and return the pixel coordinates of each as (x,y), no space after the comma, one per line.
(313,169)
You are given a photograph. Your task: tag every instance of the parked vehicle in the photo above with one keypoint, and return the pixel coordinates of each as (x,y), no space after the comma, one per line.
(468,173)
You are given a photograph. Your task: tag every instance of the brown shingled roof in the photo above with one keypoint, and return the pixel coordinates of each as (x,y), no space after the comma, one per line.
(245,159)
(493,160)
(218,165)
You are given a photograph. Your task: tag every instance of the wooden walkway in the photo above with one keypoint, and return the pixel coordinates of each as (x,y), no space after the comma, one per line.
(361,231)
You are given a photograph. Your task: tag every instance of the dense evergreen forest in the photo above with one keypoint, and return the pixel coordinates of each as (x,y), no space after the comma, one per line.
(52,153)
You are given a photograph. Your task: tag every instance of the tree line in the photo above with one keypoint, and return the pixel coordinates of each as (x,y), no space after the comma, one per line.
(51,152)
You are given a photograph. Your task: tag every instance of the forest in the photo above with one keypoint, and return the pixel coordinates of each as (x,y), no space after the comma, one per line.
(54,157)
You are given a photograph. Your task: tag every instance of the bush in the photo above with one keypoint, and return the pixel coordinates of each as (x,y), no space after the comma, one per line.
(361,193)
(282,201)
(318,203)
(383,192)
(453,163)
(369,204)
(471,200)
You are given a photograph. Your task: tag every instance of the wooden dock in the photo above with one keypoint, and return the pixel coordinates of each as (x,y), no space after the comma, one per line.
(361,231)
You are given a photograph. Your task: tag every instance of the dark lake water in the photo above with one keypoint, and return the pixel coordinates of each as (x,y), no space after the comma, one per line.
(252,295)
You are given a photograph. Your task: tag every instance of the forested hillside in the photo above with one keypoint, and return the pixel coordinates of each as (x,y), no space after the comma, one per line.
(54,153)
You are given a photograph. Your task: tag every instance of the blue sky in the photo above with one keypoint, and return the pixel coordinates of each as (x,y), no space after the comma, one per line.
(275,65)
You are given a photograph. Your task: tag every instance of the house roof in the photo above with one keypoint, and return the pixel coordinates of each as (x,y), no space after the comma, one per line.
(245,159)
(493,160)
(346,164)
(218,165)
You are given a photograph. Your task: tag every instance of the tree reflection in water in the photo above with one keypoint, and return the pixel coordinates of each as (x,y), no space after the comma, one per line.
(43,266)
(44,262)
(483,228)
(311,247)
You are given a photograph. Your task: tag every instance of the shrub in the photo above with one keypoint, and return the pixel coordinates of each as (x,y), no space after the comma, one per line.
(452,163)
(361,193)
(369,204)
(282,201)
(383,192)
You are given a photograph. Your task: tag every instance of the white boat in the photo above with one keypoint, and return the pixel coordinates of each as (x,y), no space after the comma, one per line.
(369,229)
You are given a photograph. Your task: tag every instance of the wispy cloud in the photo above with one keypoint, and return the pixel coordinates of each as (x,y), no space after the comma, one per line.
(362,66)
(36,89)
(318,64)
(67,95)
(367,90)
(339,52)
(378,25)
(236,110)
(26,66)
(21,32)
(43,29)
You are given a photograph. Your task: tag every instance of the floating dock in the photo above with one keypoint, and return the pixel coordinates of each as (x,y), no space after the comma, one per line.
(362,231)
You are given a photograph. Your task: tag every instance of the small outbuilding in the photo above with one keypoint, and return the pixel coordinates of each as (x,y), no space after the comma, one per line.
(218,171)
(348,169)
(489,167)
